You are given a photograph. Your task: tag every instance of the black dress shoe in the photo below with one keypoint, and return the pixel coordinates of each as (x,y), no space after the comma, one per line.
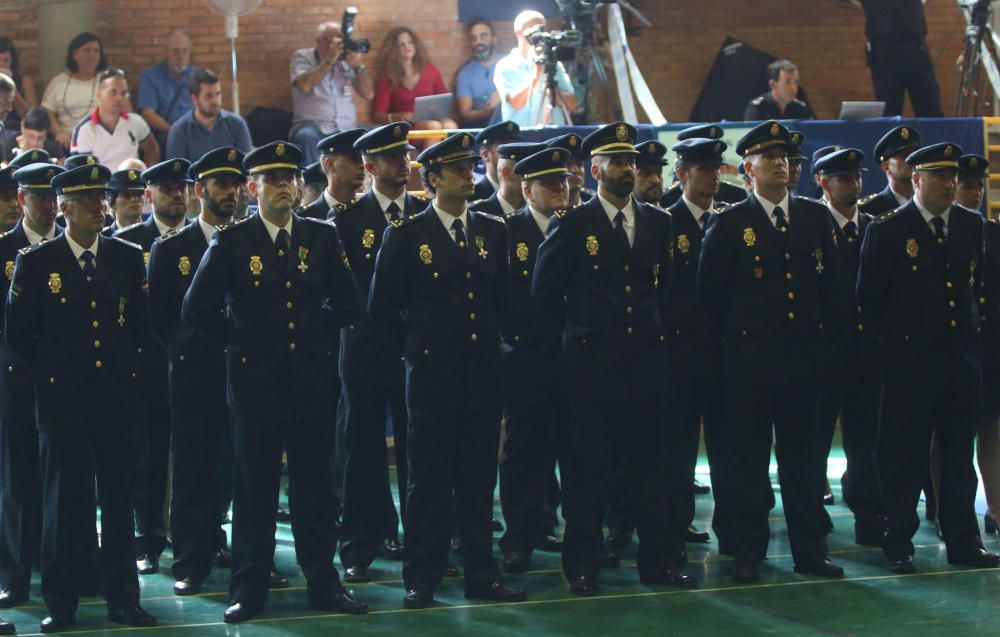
(607,559)
(56,623)
(131,616)
(745,573)
(498,592)
(990,525)
(338,602)
(416,598)
(392,549)
(976,558)
(283,515)
(188,586)
(670,577)
(700,489)
(7,628)
(821,568)
(516,562)
(223,558)
(618,538)
(902,566)
(584,585)
(277,580)
(450,570)
(550,543)
(695,536)
(147,564)
(497,526)
(356,574)
(828,499)
(240,612)
(10,598)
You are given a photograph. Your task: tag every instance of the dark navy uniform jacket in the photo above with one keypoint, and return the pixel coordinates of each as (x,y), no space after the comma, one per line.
(609,304)
(922,300)
(484,189)
(531,340)
(440,305)
(80,340)
(153,356)
(318,209)
(989,308)
(769,293)
(879,203)
(490,205)
(764,107)
(279,321)
(365,355)
(197,365)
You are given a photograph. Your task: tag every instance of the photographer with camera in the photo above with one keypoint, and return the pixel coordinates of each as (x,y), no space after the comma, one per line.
(520,77)
(324,81)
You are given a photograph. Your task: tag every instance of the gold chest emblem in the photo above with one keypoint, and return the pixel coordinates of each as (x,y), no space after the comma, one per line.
(749,237)
(184,266)
(592,245)
(683,244)
(368,238)
(145,258)
(256,266)
(521,251)
(55,283)
(425,254)
(9,270)
(912,249)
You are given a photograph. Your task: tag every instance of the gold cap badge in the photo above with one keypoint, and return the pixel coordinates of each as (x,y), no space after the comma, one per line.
(231,156)
(621,133)
(905,133)
(280,150)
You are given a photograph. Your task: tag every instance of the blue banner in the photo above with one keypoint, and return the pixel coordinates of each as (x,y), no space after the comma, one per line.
(503,11)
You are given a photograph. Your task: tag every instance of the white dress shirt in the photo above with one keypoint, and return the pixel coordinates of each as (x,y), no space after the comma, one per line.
(273,229)
(384,203)
(769,209)
(628,211)
(79,249)
(447,219)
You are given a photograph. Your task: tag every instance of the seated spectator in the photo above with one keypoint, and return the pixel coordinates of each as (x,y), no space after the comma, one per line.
(163,87)
(323,87)
(25,97)
(72,94)
(111,132)
(7,90)
(31,132)
(781,100)
(207,126)
(407,73)
(475,92)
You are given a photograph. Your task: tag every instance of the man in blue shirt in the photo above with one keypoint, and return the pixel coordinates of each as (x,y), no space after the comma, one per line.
(207,125)
(162,86)
(477,95)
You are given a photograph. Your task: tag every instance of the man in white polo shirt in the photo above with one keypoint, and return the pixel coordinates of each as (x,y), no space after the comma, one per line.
(112,133)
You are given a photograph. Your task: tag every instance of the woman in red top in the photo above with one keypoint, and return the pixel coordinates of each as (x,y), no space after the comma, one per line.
(407,74)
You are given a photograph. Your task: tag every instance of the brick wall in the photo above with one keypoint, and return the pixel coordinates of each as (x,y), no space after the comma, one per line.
(822,38)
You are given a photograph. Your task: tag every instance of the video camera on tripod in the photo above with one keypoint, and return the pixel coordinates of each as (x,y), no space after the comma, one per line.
(553,46)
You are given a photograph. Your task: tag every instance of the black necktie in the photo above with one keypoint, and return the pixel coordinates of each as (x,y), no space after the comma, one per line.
(89,267)
(284,245)
(393,211)
(620,232)
(459,229)
(703,219)
(851,230)
(938,224)
(780,222)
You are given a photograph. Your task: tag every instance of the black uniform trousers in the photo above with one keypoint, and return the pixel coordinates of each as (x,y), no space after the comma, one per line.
(905,67)
(20,503)
(857,406)
(947,404)
(69,463)
(452,470)
(634,428)
(202,486)
(368,518)
(150,491)
(755,407)
(530,450)
(257,447)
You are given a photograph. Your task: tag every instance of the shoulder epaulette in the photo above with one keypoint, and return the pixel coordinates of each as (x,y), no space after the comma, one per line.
(126,242)
(510,215)
(757,101)
(8,233)
(565,211)
(419,197)
(399,223)
(127,228)
(868,199)
(322,222)
(809,199)
(234,224)
(886,216)
(170,234)
(33,248)
(993,221)
(488,216)
(726,207)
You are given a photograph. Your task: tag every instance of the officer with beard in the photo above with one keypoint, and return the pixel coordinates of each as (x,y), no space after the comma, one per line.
(649,165)
(167,190)
(200,436)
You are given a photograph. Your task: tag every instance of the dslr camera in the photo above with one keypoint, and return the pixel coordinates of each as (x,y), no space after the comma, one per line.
(347,31)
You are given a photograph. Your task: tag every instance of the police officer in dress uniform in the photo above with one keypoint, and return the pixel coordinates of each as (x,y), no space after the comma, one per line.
(795,159)
(20,488)
(508,198)
(75,161)
(487,140)
(201,431)
(439,289)
(602,275)
(275,290)
(313,181)
(574,164)
(851,382)
(76,316)
(973,175)
(767,274)
(728,193)
(167,184)
(818,154)
(344,170)
(920,287)
(891,151)
(649,164)
(534,408)
(127,192)
(372,371)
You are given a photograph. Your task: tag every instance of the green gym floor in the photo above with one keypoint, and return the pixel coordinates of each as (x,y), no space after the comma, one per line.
(938,600)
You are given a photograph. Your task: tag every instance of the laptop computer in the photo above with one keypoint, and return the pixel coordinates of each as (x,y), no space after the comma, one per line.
(861,110)
(432,106)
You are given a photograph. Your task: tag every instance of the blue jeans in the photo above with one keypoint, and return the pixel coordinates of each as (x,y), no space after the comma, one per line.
(306,135)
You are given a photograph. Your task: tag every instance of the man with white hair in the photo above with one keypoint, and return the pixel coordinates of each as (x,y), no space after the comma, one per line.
(163,86)
(520,80)
(323,87)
